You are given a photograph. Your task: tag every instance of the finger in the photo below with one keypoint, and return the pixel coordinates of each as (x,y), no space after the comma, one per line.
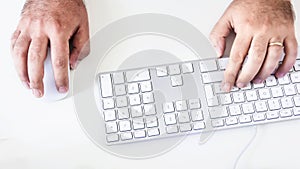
(272,59)
(36,57)
(290,49)
(60,62)
(14,38)
(19,54)
(237,55)
(80,45)
(256,57)
(219,33)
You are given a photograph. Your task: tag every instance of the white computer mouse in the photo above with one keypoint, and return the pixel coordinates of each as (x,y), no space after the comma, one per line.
(51,93)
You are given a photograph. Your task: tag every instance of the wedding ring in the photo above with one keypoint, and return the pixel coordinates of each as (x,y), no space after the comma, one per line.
(276,44)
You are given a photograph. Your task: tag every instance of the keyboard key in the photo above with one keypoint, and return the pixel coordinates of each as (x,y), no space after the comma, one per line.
(138,123)
(146,86)
(149,109)
(194,104)
(251,95)
(217,123)
(136,111)
(218,88)
(123,113)
(151,122)
(284,80)
(297,100)
(199,126)
(297,65)
(245,119)
(295,77)
(277,92)
(197,115)
(274,104)
(272,115)
(260,106)
(126,136)
(148,98)
(174,70)
(234,110)
(298,87)
(223,63)
(112,138)
(108,103)
(225,99)
(181,105)
(170,119)
(120,90)
(296,111)
(110,115)
(218,112)
(286,102)
(289,90)
(138,75)
(183,117)
(140,134)
(248,108)
(285,113)
(121,101)
(118,78)
(248,87)
(168,107)
(153,132)
(213,77)
(185,127)
(111,127)
(172,129)
(176,80)
(264,94)
(259,85)
(162,71)
(271,81)
(106,85)
(208,66)
(231,121)
(238,97)
(212,102)
(134,99)
(259,117)
(125,125)
(187,68)
(133,88)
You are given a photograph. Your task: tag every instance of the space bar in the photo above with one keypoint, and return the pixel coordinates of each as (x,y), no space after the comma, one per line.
(212,77)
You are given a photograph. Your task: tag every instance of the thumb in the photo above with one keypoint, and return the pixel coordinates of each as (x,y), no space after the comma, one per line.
(219,33)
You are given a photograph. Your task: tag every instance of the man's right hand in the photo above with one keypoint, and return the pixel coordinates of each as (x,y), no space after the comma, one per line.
(53,23)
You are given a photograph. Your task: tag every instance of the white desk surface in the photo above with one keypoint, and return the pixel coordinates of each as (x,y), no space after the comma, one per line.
(35,135)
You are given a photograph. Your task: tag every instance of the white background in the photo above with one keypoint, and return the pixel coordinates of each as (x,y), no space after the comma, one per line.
(35,135)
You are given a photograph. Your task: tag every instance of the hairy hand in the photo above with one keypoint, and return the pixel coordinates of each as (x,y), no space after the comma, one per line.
(257,23)
(51,23)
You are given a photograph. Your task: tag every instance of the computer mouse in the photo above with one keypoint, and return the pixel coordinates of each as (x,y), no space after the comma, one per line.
(51,93)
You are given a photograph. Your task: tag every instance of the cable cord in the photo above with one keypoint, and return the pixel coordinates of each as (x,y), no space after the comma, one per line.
(245,148)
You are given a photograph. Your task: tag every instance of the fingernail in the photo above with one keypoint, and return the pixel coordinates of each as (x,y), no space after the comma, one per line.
(226,87)
(74,66)
(36,93)
(26,85)
(280,75)
(62,90)
(241,85)
(257,81)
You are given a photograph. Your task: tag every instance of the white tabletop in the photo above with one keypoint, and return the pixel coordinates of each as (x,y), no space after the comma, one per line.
(36,135)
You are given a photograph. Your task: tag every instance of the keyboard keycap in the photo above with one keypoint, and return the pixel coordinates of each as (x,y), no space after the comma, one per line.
(225,99)
(126,136)
(187,68)
(134,99)
(286,102)
(153,132)
(218,112)
(151,122)
(231,121)
(162,71)
(149,109)
(111,127)
(108,103)
(234,110)
(110,115)
(271,81)
(248,108)
(289,90)
(272,115)
(274,104)
(208,66)
(138,123)
(118,78)
(284,80)
(297,100)
(259,117)
(296,111)
(121,101)
(125,125)
(138,75)
(170,119)
(123,113)
(176,80)
(285,113)
(172,129)
(251,95)
(112,138)
(106,85)
(295,76)
(223,63)
(133,88)
(277,92)
(245,119)
(148,98)
(185,127)
(194,104)
(264,94)
(217,123)
(140,134)
(260,106)
(181,105)
(136,111)
(183,117)
(199,126)
(174,70)
(197,115)
(212,77)
(146,86)
(297,65)
(168,107)
(120,90)
(238,97)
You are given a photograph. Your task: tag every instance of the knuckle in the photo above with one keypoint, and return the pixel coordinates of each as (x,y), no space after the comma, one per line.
(60,63)
(35,83)
(238,57)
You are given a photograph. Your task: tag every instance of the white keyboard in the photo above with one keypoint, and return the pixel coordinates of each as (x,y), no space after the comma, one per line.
(182,98)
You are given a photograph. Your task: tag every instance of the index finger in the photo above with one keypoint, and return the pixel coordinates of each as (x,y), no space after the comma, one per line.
(60,62)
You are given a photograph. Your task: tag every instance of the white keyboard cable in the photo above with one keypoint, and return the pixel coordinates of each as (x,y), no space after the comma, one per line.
(245,148)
